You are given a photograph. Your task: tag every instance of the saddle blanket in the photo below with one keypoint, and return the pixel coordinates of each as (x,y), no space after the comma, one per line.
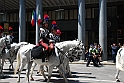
(37,52)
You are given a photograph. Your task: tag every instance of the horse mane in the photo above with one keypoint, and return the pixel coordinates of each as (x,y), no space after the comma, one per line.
(67,44)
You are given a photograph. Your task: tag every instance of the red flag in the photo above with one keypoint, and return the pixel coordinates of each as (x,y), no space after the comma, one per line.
(32,20)
(39,18)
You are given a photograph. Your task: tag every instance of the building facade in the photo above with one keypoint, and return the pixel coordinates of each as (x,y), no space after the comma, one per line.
(67,19)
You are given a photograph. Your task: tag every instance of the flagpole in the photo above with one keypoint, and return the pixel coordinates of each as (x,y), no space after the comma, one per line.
(38,8)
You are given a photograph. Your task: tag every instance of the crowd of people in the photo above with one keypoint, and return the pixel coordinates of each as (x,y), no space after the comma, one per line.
(93,54)
(114,49)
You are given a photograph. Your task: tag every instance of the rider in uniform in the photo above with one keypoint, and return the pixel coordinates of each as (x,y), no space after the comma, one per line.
(1,31)
(10,30)
(58,35)
(44,36)
(53,33)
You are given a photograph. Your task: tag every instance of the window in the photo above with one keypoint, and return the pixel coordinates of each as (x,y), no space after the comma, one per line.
(60,14)
(15,15)
(75,14)
(29,16)
(7,18)
(53,15)
(96,12)
(71,14)
(49,13)
(66,14)
(88,13)
(11,17)
(92,12)
(44,12)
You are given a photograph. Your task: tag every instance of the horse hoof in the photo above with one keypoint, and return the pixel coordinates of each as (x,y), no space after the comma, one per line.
(44,70)
(71,76)
(37,72)
(32,79)
(45,80)
(117,80)
(18,82)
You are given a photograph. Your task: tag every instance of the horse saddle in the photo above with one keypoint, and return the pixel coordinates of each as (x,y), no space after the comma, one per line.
(37,52)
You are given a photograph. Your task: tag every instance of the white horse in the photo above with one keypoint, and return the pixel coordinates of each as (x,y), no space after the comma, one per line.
(24,57)
(66,48)
(119,63)
(70,46)
(3,44)
(11,53)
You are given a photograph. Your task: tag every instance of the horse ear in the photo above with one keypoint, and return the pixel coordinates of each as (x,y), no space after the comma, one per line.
(5,36)
(77,40)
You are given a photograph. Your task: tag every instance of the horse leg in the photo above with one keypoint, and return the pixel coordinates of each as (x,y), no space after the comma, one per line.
(50,69)
(42,72)
(32,69)
(28,71)
(116,76)
(11,64)
(61,69)
(68,69)
(1,69)
(20,69)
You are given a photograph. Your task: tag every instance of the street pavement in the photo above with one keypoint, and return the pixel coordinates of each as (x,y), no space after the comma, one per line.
(81,74)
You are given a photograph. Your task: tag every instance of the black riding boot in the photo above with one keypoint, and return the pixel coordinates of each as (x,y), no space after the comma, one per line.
(44,55)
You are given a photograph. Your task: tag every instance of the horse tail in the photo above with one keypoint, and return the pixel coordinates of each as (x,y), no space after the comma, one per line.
(119,62)
(18,62)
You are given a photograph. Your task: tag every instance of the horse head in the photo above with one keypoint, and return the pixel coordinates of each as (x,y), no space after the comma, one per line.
(3,43)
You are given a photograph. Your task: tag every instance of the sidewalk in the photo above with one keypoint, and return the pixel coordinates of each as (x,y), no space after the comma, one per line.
(109,62)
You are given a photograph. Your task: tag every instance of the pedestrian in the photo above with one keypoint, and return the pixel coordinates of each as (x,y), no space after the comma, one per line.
(86,53)
(100,53)
(119,46)
(96,54)
(114,52)
(91,57)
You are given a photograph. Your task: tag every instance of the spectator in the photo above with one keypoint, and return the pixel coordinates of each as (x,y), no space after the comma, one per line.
(119,46)
(96,54)
(91,57)
(114,52)
(100,52)
(86,53)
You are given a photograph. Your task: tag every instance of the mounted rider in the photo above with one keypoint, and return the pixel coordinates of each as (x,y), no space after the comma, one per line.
(53,33)
(58,35)
(44,37)
(1,35)
(10,36)
(1,31)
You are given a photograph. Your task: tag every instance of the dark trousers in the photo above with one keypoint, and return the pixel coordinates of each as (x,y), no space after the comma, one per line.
(93,60)
(114,58)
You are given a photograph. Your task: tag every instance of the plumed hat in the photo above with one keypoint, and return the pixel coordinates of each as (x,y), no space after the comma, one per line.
(10,29)
(54,25)
(46,17)
(58,31)
(1,29)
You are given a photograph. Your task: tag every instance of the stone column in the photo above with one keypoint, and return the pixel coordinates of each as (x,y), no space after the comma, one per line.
(22,21)
(38,9)
(81,22)
(103,27)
